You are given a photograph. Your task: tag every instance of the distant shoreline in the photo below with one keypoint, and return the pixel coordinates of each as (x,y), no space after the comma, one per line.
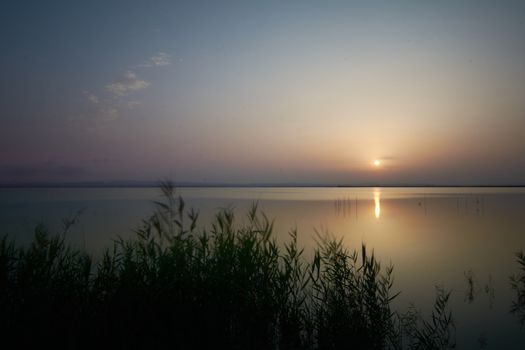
(222,185)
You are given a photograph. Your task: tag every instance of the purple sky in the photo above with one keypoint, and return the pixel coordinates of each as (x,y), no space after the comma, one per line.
(263,92)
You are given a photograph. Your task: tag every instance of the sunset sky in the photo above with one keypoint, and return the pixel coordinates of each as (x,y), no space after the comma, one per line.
(298,92)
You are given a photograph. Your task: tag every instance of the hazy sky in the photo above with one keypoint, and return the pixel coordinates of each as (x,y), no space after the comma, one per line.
(263,91)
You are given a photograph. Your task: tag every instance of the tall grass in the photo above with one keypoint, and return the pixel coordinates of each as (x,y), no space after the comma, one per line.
(228,286)
(517,282)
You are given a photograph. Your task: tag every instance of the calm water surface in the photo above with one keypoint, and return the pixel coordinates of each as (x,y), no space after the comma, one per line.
(432,236)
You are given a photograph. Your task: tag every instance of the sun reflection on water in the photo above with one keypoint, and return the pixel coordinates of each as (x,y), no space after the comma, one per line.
(377,201)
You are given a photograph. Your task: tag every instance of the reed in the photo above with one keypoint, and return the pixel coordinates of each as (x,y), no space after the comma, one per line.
(229,286)
(517,282)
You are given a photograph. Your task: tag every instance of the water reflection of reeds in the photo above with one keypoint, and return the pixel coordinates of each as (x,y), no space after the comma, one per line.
(346,207)
(470,205)
(475,288)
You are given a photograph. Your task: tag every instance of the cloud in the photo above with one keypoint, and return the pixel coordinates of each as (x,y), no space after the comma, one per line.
(99,109)
(132,104)
(107,105)
(107,114)
(158,60)
(126,84)
(93,99)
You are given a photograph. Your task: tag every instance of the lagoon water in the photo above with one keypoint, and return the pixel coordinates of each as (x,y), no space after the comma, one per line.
(463,239)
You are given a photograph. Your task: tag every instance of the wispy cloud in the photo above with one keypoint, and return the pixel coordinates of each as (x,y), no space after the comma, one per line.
(98,110)
(107,114)
(132,104)
(107,105)
(126,84)
(157,60)
(93,99)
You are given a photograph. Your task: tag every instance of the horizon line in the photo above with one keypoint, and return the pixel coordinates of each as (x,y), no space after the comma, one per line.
(182,184)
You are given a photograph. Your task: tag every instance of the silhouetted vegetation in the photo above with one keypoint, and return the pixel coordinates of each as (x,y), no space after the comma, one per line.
(231,286)
(518,285)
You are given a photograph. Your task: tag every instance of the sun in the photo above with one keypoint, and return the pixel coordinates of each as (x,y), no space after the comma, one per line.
(377,162)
